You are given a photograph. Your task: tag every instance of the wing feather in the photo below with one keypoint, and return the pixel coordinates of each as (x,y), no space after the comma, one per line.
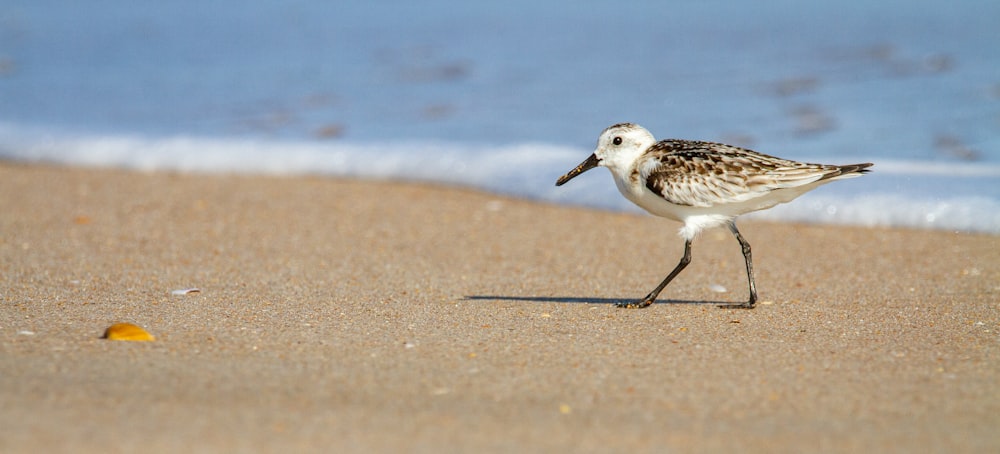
(704,174)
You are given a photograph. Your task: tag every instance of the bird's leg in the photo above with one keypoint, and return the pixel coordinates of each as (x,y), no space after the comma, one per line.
(659,288)
(746,255)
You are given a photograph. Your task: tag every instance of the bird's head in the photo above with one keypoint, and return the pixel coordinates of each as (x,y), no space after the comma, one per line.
(617,148)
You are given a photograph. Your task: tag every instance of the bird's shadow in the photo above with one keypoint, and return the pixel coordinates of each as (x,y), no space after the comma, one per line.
(588,300)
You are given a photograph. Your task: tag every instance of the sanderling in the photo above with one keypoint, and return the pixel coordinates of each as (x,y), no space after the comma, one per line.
(701,184)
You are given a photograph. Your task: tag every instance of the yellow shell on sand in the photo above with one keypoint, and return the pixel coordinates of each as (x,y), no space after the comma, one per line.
(127,332)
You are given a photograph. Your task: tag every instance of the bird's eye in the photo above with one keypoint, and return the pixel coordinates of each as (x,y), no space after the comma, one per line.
(617,141)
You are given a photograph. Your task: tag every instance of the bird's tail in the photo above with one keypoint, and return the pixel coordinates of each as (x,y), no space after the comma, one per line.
(848,171)
(856,168)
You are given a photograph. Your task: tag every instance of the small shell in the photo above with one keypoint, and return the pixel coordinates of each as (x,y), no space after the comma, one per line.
(127,332)
(185,291)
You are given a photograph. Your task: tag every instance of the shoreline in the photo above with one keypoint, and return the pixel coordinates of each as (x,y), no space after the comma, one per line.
(377,316)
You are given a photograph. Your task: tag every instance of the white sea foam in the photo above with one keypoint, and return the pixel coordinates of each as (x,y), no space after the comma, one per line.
(952,196)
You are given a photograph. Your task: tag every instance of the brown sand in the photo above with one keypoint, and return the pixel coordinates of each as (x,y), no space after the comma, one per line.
(346,316)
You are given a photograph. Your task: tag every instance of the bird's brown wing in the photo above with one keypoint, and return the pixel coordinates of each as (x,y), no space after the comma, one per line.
(704,174)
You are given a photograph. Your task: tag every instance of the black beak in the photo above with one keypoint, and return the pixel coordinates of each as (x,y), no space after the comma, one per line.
(584,166)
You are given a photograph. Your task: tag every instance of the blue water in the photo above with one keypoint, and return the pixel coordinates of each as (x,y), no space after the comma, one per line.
(507,97)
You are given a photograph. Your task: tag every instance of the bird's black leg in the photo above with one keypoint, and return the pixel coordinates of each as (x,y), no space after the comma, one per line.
(746,255)
(659,288)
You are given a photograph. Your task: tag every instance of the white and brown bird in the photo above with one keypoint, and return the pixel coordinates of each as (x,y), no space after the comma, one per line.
(702,184)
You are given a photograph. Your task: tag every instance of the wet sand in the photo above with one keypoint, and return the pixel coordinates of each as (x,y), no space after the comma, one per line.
(359,316)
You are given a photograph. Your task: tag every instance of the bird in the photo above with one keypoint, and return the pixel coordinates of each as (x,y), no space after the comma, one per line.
(701,184)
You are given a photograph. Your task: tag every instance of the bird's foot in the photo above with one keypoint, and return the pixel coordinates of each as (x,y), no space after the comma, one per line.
(746,305)
(645,302)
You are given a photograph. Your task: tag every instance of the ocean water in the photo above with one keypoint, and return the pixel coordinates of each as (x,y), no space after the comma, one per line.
(507,97)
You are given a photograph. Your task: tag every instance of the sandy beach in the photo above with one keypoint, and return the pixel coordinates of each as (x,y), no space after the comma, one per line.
(361,316)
